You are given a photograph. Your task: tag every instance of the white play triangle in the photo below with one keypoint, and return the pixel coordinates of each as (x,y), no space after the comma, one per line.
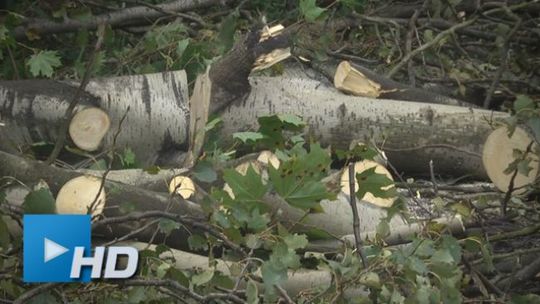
(53,249)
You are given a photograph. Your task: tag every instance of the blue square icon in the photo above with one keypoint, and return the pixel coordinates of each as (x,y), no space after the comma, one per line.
(48,246)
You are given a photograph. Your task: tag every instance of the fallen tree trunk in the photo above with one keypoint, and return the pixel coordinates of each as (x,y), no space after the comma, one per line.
(155,128)
(30,172)
(410,133)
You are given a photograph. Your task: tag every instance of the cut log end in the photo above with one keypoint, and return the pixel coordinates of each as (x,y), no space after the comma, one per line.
(78,196)
(88,127)
(183,186)
(352,81)
(360,167)
(499,152)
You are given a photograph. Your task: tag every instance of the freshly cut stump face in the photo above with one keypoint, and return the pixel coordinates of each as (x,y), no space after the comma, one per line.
(78,194)
(498,153)
(360,167)
(183,185)
(88,127)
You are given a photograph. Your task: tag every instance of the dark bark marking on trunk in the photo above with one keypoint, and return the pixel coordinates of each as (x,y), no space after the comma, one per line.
(177,93)
(145,95)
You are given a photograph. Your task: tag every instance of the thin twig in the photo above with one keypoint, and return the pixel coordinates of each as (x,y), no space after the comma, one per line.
(356,218)
(166,11)
(109,167)
(511,185)
(433,181)
(283,294)
(25,297)
(132,233)
(408,41)
(62,132)
(504,58)
(175,286)
(196,223)
(426,46)
(13,64)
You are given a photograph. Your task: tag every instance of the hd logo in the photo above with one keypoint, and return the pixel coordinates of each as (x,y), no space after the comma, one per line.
(57,249)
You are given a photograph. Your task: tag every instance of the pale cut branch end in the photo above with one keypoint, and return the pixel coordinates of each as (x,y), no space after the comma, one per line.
(500,151)
(352,81)
(88,128)
(78,196)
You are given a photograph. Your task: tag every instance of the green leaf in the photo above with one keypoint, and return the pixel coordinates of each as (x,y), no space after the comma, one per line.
(253,241)
(310,10)
(295,241)
(203,277)
(248,188)
(523,102)
(43,63)
(383,229)
(204,172)
(178,276)
(167,226)
(3,33)
(290,119)
(248,136)
(307,195)
(127,158)
(370,279)
(137,294)
(273,273)
(257,221)
(152,170)
(523,167)
(197,242)
(272,128)
(252,292)
(39,201)
(284,256)
(226,32)
(372,182)
(212,124)
(181,46)
(417,265)
(442,256)
(298,179)
(425,248)
(43,298)
(534,126)
(453,247)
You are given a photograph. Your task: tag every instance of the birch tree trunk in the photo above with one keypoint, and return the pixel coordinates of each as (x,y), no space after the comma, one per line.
(410,133)
(156,129)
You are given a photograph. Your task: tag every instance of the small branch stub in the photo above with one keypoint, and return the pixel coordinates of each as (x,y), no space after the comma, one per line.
(360,167)
(183,186)
(78,196)
(500,151)
(352,81)
(275,56)
(88,128)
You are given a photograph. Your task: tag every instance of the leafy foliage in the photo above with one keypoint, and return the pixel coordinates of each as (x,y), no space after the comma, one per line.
(426,270)
(39,201)
(43,63)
